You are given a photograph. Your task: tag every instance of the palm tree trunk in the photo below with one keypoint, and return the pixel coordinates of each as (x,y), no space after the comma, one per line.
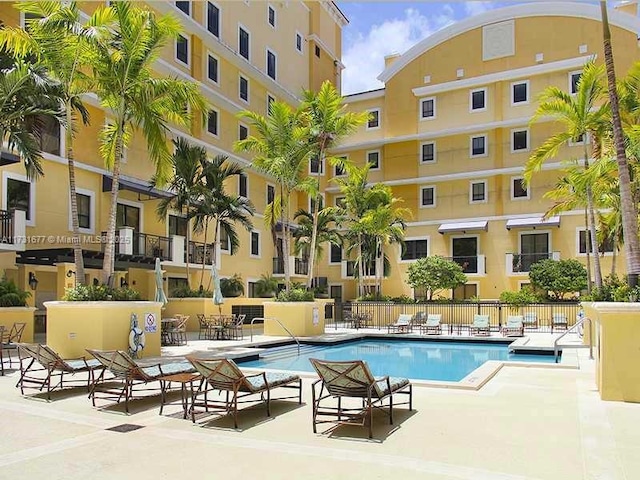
(360,268)
(188,243)
(597,271)
(379,267)
(314,225)
(204,253)
(614,257)
(587,250)
(77,244)
(285,239)
(109,249)
(629,209)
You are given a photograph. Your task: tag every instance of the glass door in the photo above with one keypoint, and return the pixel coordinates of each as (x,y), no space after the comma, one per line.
(533,248)
(465,253)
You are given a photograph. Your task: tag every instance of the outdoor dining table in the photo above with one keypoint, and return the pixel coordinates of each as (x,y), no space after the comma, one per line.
(167,324)
(219,323)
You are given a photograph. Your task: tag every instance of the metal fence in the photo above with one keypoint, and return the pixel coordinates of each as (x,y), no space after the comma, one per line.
(456,315)
(6,226)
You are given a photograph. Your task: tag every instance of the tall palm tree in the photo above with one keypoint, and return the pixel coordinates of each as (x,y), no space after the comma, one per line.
(580,117)
(329,122)
(59,40)
(281,148)
(629,207)
(136,99)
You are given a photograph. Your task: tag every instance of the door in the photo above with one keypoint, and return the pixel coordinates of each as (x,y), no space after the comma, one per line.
(465,292)
(465,253)
(533,248)
(335,292)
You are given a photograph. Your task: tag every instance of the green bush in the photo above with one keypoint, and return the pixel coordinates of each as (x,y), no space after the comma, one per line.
(559,277)
(435,273)
(374,297)
(612,288)
(266,286)
(403,299)
(232,286)
(11,295)
(96,293)
(295,295)
(520,298)
(186,292)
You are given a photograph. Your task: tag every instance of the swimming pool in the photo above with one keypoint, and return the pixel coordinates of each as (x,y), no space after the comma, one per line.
(445,361)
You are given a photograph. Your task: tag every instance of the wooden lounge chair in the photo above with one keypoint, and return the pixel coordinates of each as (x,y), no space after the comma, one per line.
(41,358)
(432,325)
(224,375)
(480,326)
(353,379)
(530,320)
(403,324)
(129,374)
(559,321)
(514,326)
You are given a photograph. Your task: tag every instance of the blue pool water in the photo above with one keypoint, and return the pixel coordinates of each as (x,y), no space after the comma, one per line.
(447,361)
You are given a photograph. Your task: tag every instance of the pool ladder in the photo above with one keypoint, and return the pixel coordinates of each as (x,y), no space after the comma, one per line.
(556,348)
(280,323)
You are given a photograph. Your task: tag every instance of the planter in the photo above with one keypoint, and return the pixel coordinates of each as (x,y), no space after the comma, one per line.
(72,327)
(11,315)
(617,351)
(303,319)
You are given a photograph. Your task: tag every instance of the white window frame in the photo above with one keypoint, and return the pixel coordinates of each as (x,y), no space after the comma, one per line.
(248,100)
(410,239)
(241,26)
(486,191)
(175,50)
(366,159)
(435,198)
(138,205)
(534,232)
(206,18)
(476,90)
(174,213)
(206,67)
(335,167)
(511,187)
(266,63)
(275,16)
(266,192)
(295,44)
(570,77)
(92,211)
(522,150)
(273,98)
(377,127)
(247,183)
(217,134)
(435,111)
(240,125)
(251,254)
(520,82)
(341,251)
(224,251)
(32,194)
(190,9)
(486,145)
(321,165)
(578,252)
(435,154)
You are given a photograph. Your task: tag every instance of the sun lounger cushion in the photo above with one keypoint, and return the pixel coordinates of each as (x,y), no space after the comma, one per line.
(273,380)
(395,382)
(168,369)
(81,364)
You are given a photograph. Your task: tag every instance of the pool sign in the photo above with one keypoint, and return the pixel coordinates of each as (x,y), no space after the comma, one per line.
(150,323)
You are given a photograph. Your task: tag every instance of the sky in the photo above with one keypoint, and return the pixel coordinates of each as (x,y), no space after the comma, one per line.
(379,28)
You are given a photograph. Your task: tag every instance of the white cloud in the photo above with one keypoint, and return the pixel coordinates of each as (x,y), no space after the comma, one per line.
(364,58)
(477,7)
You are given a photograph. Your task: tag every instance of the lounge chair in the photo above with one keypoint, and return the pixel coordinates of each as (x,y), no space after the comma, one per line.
(480,326)
(432,325)
(353,379)
(41,358)
(530,320)
(224,375)
(10,341)
(403,324)
(129,374)
(559,321)
(514,326)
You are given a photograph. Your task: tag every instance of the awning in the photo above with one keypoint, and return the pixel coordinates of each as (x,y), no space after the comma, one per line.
(463,227)
(8,158)
(533,222)
(138,186)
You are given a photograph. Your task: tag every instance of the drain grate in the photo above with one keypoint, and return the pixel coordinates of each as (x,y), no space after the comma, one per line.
(125,428)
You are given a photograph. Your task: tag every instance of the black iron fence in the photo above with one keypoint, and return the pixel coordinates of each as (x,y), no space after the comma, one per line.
(198,251)
(522,261)
(300,266)
(144,245)
(6,226)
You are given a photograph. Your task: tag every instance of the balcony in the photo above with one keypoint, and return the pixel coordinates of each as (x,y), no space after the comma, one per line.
(12,230)
(297,266)
(520,263)
(144,245)
(471,264)
(350,269)
(197,252)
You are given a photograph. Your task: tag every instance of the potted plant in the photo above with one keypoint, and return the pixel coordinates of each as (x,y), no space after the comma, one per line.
(321,291)
(267,286)
(232,286)
(14,309)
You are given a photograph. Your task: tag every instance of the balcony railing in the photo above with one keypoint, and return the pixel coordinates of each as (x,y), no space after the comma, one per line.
(350,270)
(139,244)
(471,264)
(300,266)
(6,227)
(521,262)
(198,251)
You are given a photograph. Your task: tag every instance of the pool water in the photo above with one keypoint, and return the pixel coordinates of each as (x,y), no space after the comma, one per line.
(446,361)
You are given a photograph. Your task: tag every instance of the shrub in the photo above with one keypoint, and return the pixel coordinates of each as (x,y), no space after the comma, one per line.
(520,298)
(435,273)
(11,295)
(95,293)
(560,277)
(186,292)
(232,286)
(266,286)
(295,295)
(374,297)
(403,299)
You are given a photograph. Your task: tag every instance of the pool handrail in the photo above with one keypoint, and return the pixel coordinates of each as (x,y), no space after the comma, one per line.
(579,323)
(280,323)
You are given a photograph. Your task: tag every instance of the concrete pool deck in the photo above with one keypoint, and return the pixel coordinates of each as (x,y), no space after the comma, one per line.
(526,423)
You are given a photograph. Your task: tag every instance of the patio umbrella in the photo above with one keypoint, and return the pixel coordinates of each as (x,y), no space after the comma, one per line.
(218,299)
(160,296)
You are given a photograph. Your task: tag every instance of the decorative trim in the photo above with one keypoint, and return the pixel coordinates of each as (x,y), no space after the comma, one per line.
(370,95)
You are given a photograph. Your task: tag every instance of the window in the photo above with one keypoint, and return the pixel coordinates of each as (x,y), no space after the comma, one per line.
(478,100)
(212,122)
(225,244)
(184,7)
(271,193)
(243,43)
(373,159)
(271,16)
(579,140)
(339,202)
(243,88)
(478,192)
(339,170)
(518,189)
(84,210)
(336,254)
(298,42)
(574,79)
(127,216)
(312,203)
(519,93)
(50,136)
(178,225)
(428,108)
(213,19)
(519,140)
(212,68)
(271,64)
(415,249)
(19,196)
(374,119)
(242,185)
(270,100)
(584,241)
(317,51)
(243,132)
(316,166)
(174,283)
(427,196)
(255,244)
(479,146)
(428,152)
(182,49)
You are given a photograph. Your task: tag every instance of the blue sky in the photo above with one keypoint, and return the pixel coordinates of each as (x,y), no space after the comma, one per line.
(377,29)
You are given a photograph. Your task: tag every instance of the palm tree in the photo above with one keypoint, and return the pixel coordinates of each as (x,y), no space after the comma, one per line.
(580,117)
(629,207)
(281,151)
(136,99)
(328,124)
(59,41)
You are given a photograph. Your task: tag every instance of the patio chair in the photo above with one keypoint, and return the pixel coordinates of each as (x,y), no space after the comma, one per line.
(480,326)
(41,358)
(10,340)
(177,333)
(224,375)
(353,379)
(514,326)
(530,320)
(205,327)
(432,325)
(234,330)
(559,321)
(129,374)
(403,324)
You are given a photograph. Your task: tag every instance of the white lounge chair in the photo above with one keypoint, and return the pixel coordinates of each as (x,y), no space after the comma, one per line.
(403,324)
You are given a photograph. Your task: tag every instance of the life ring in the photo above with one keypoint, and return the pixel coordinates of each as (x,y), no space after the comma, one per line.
(136,340)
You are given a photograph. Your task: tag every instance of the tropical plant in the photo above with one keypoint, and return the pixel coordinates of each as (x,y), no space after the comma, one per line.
(266,286)
(435,274)
(11,295)
(298,294)
(135,98)
(94,293)
(519,298)
(326,232)
(184,291)
(560,277)
(232,286)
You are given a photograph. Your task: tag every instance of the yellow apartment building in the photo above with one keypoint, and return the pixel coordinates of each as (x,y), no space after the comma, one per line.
(450,133)
(243,55)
